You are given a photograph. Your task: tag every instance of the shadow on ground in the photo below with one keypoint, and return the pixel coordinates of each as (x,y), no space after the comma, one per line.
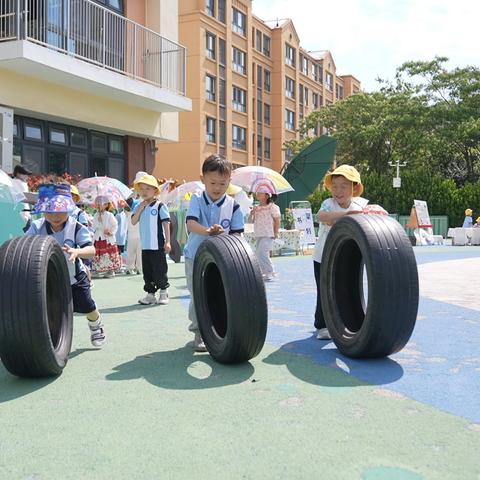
(338,371)
(182,369)
(12,387)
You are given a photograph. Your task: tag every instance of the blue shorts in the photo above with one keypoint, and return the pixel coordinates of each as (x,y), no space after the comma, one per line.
(82,300)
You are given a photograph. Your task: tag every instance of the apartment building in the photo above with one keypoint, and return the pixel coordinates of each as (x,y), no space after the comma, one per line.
(250,82)
(89,86)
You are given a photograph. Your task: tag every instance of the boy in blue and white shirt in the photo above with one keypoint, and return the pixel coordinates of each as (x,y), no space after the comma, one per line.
(211,212)
(154,221)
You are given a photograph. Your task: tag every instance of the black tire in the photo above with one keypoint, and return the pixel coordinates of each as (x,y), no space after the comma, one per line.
(230,300)
(36,307)
(384,325)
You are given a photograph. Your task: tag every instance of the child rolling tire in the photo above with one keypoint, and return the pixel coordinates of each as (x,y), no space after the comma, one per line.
(36,307)
(382,325)
(230,300)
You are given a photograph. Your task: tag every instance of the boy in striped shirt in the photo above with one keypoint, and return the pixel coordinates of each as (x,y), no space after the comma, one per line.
(154,220)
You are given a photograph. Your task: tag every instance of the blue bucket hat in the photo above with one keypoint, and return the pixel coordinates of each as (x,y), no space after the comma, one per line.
(54,198)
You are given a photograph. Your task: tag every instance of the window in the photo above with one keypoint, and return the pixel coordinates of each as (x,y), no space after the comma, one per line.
(79,164)
(239,137)
(78,138)
(58,135)
(210,45)
(223,133)
(329,81)
(266,45)
(222,93)
(33,131)
(210,7)
(210,84)
(266,147)
(211,124)
(318,73)
(239,99)
(115,145)
(57,161)
(258,40)
(239,21)
(267,79)
(289,55)
(238,61)
(222,51)
(315,100)
(305,95)
(289,87)
(266,113)
(289,119)
(259,76)
(259,146)
(221,11)
(288,155)
(300,93)
(339,91)
(259,111)
(304,65)
(99,141)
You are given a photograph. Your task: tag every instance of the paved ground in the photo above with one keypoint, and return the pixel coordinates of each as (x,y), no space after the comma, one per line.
(147,407)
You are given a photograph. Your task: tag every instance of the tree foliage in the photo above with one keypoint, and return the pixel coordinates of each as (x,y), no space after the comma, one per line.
(428,117)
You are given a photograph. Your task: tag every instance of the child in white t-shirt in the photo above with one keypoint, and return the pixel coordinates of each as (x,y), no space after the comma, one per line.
(346,187)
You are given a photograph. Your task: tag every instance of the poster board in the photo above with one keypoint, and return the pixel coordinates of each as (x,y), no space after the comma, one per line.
(423,218)
(303,219)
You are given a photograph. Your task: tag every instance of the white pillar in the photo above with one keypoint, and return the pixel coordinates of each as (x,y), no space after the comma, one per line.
(6,139)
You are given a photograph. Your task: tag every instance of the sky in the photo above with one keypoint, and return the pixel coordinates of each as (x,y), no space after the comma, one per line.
(371,38)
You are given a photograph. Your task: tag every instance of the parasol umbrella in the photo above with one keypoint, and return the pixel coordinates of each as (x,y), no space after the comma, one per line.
(249,177)
(93,187)
(179,198)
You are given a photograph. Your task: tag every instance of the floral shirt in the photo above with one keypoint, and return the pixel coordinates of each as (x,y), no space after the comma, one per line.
(263,220)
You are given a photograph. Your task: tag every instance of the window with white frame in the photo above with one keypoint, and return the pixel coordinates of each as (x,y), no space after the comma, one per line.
(239,61)
(210,45)
(289,87)
(239,137)
(267,80)
(239,99)
(210,87)
(329,81)
(211,130)
(210,7)
(289,119)
(304,65)
(239,22)
(258,40)
(289,55)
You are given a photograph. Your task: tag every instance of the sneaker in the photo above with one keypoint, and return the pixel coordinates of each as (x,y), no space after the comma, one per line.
(97,333)
(323,334)
(198,344)
(149,299)
(163,297)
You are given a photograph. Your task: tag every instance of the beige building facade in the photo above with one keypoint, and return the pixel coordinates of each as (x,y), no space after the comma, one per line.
(89,86)
(250,82)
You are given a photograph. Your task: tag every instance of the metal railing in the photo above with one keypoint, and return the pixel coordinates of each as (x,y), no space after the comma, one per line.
(90,32)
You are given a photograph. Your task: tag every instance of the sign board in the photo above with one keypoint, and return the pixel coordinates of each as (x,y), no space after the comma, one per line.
(423,218)
(397,182)
(303,219)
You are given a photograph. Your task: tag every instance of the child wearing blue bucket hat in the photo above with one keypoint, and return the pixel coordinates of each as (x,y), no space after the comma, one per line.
(55,203)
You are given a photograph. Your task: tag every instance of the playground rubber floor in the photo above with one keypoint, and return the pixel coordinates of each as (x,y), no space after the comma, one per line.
(147,407)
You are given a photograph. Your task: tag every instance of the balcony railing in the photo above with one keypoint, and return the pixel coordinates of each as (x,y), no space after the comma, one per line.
(92,33)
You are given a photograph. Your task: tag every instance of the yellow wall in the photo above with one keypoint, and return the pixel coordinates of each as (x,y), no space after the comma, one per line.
(45,100)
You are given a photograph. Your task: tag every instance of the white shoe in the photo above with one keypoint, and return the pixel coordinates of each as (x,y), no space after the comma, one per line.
(149,299)
(323,334)
(163,297)
(97,333)
(198,344)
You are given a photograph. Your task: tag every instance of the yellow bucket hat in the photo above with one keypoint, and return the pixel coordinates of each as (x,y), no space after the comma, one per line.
(468,212)
(74,191)
(233,189)
(477,220)
(147,180)
(347,171)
